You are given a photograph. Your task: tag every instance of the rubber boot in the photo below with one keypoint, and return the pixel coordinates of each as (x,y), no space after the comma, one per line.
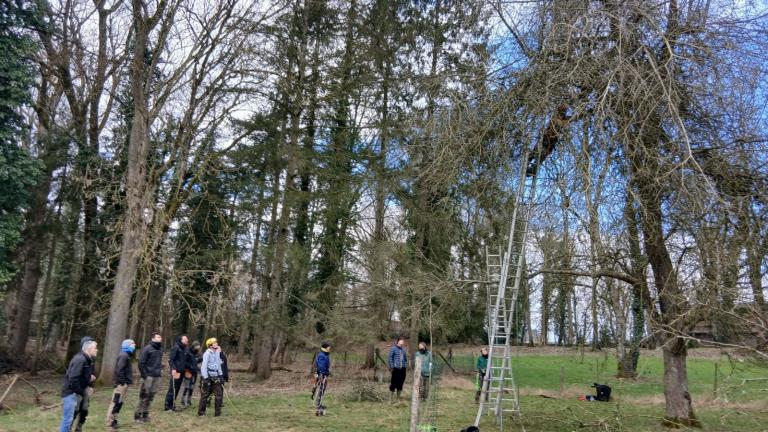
(477,396)
(391,398)
(398,395)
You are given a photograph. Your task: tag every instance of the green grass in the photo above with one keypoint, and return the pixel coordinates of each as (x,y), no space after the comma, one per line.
(543,372)
(638,405)
(455,411)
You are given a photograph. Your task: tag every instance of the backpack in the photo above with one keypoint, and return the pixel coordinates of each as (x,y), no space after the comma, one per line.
(603,392)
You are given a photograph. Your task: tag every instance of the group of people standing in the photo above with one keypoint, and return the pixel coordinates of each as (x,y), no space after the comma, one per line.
(397,362)
(185,363)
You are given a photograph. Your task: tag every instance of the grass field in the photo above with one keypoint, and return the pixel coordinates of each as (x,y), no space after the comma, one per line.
(282,403)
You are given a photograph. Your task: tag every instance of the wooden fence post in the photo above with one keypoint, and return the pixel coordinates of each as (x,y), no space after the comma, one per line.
(714,390)
(562,380)
(415,394)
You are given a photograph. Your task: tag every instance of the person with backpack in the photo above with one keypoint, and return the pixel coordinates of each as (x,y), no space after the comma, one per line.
(123,379)
(192,369)
(150,368)
(602,393)
(397,361)
(213,378)
(322,372)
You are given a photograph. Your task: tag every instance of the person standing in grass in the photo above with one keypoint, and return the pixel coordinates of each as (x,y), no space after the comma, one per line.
(76,383)
(323,370)
(213,378)
(123,379)
(426,370)
(482,367)
(192,368)
(150,368)
(397,361)
(81,412)
(178,364)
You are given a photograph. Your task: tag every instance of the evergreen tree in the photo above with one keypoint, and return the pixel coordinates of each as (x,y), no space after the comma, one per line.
(18,170)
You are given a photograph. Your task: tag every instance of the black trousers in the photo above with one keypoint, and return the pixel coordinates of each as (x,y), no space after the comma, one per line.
(209,386)
(398,378)
(174,388)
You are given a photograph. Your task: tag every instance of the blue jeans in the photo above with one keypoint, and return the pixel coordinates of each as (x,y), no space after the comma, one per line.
(70,405)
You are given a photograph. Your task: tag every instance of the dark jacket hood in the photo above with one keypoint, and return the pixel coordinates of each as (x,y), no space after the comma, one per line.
(178,341)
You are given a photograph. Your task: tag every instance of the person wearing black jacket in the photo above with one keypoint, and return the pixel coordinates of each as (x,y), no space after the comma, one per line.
(150,368)
(178,363)
(81,413)
(194,358)
(123,378)
(224,367)
(76,381)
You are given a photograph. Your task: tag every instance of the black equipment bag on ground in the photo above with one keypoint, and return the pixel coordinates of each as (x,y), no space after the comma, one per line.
(603,392)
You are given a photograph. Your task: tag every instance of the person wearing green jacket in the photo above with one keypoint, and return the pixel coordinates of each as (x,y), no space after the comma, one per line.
(482,367)
(426,370)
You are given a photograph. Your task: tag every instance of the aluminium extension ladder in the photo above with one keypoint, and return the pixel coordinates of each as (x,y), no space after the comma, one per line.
(498,386)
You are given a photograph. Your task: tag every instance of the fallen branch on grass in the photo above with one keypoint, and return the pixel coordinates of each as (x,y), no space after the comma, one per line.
(8,390)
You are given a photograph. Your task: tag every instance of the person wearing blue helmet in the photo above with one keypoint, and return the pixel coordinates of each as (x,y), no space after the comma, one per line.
(123,379)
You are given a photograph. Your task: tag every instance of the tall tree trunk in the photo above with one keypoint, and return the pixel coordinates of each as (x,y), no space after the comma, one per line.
(270,307)
(34,234)
(247,321)
(137,196)
(646,176)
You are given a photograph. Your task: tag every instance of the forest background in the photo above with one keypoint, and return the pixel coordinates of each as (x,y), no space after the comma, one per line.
(277,173)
